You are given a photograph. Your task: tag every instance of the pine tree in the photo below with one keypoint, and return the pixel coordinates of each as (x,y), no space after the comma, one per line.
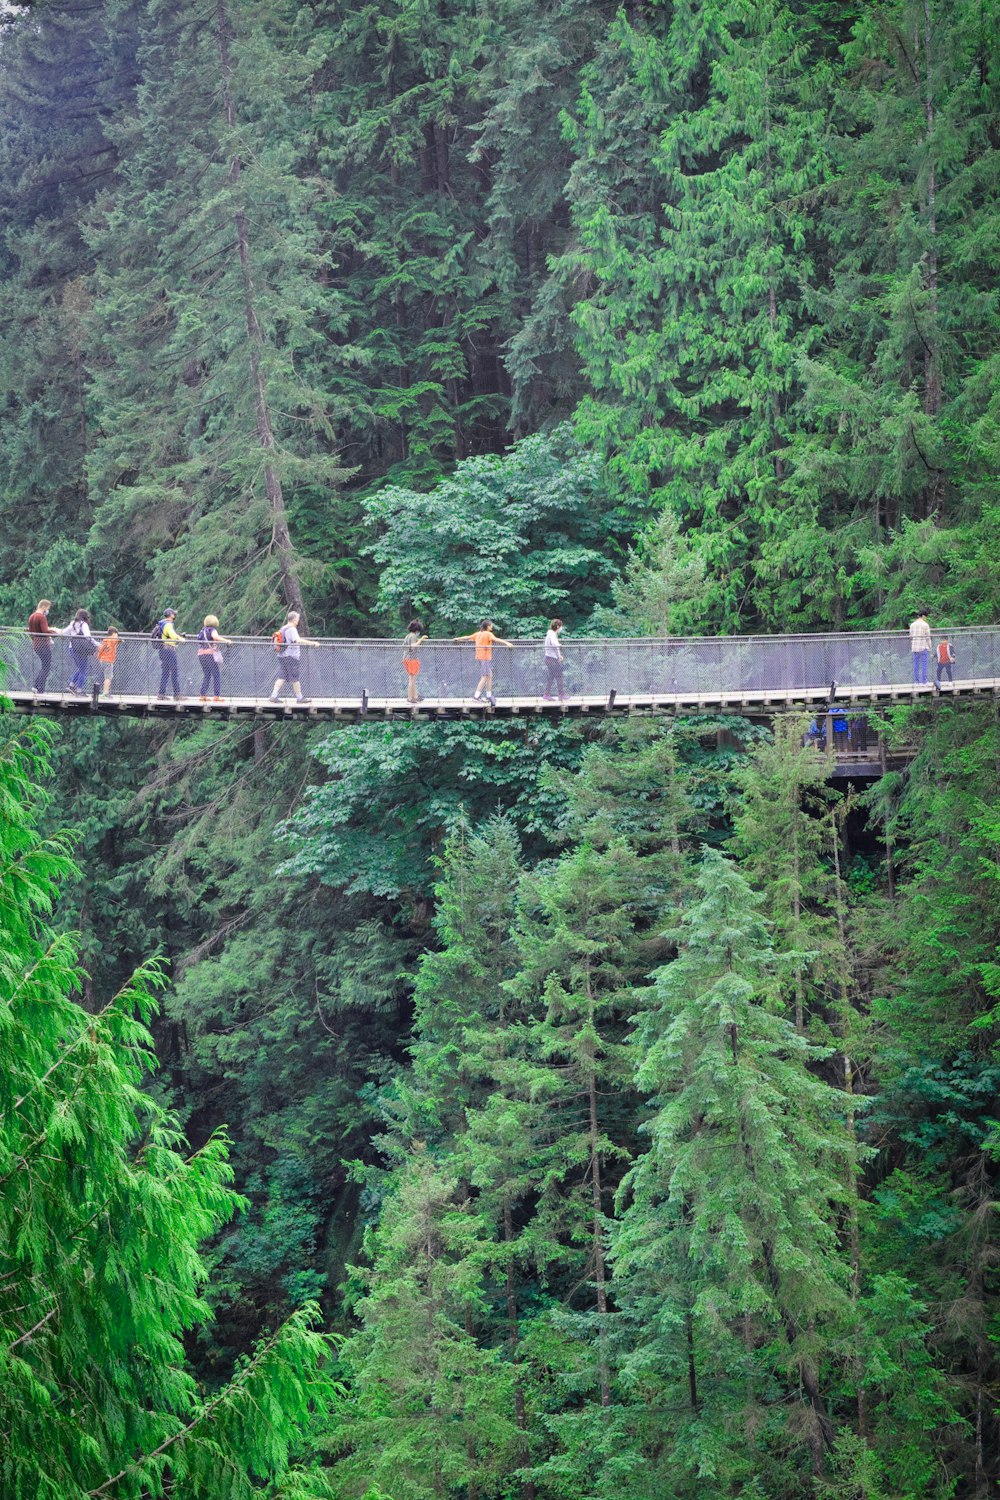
(430,1409)
(698,316)
(786,837)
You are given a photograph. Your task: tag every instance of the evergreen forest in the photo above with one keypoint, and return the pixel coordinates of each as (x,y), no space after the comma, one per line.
(486,1109)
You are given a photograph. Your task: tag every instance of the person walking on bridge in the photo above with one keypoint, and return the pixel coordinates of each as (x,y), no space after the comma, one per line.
(485,641)
(106,653)
(168,640)
(945,662)
(82,647)
(210,644)
(41,632)
(289,645)
(554,663)
(411,662)
(920,646)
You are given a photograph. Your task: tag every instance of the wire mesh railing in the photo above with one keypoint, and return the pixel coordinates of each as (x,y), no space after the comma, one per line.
(329,671)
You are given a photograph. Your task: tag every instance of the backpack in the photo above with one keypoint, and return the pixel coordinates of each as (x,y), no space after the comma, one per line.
(156,634)
(279,642)
(944,653)
(80,644)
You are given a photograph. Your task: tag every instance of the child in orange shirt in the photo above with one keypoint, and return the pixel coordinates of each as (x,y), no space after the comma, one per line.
(485,641)
(106,653)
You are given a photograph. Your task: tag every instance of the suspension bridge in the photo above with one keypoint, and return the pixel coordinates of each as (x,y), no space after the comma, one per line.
(365,679)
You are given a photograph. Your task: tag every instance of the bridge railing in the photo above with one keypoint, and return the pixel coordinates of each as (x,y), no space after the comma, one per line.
(593,668)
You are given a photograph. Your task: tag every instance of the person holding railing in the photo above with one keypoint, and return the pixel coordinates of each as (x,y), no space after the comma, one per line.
(485,641)
(167,642)
(82,647)
(210,644)
(289,647)
(920,646)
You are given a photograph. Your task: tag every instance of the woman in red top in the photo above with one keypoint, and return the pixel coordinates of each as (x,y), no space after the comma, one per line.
(40,630)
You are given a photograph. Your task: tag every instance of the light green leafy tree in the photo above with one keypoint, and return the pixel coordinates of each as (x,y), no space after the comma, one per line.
(104,1209)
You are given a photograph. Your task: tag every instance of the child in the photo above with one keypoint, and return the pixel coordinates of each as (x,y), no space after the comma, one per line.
(411,662)
(106,653)
(945,662)
(485,641)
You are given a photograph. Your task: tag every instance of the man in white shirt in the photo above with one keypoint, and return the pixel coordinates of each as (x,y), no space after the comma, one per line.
(920,645)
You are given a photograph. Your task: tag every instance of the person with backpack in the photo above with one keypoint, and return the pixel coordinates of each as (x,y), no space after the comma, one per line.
(210,644)
(288,644)
(82,647)
(41,633)
(166,640)
(411,662)
(485,641)
(945,662)
(106,653)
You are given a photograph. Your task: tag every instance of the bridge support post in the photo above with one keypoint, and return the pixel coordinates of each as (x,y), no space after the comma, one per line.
(611,699)
(95,693)
(364,701)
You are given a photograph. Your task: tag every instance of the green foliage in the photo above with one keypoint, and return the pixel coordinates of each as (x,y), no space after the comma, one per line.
(103,1211)
(395,792)
(518,538)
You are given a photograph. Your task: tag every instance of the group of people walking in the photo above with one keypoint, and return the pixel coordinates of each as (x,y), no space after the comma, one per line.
(94,656)
(921,645)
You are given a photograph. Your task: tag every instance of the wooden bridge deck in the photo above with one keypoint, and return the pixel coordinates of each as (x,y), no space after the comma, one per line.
(814,700)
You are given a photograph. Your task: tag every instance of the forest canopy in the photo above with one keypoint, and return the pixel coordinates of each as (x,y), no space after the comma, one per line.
(477,1110)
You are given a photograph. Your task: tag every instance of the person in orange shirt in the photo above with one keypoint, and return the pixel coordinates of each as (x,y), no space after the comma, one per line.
(485,641)
(106,653)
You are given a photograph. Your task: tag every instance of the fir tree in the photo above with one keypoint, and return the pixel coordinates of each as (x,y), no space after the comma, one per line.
(726,1256)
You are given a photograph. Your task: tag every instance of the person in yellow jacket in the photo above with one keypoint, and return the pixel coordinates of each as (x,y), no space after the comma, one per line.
(168,640)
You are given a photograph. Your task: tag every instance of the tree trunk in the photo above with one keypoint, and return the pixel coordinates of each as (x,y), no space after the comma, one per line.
(513,1337)
(281,542)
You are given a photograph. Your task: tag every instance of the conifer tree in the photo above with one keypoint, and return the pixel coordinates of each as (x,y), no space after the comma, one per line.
(103,1211)
(209,317)
(698,316)
(431,1409)
(785,828)
(726,1255)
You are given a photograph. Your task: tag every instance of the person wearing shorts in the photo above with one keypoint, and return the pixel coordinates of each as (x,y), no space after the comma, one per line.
(485,641)
(411,662)
(289,657)
(106,653)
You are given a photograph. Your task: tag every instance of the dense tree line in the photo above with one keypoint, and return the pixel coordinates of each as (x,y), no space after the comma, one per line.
(623,1100)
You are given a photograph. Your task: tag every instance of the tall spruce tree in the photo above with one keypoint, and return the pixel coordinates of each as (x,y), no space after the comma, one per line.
(698,313)
(726,1254)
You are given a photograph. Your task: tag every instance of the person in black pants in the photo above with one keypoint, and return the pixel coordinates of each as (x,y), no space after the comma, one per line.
(168,642)
(40,632)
